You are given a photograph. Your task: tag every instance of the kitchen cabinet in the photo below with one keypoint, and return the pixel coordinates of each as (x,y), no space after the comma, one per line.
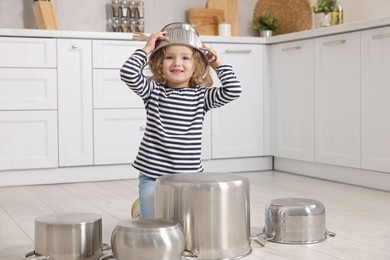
(337,99)
(375,99)
(118,133)
(75,115)
(237,128)
(19,52)
(28,103)
(119,114)
(28,88)
(62,105)
(28,139)
(292,78)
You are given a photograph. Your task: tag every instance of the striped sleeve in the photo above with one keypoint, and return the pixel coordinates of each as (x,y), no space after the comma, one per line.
(229,91)
(131,74)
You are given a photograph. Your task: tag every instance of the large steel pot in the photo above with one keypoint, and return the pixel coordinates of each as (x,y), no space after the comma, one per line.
(67,236)
(295,221)
(147,239)
(213,210)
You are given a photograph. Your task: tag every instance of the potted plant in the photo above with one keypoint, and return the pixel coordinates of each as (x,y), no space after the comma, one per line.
(265,24)
(323,12)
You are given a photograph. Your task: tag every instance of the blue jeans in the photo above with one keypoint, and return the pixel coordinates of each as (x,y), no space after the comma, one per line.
(146,196)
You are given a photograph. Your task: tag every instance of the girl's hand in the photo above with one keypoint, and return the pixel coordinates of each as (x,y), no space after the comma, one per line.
(151,43)
(217,62)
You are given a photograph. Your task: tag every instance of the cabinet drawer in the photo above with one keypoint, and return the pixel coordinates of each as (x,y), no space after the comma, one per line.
(28,89)
(118,134)
(27,52)
(28,139)
(110,92)
(113,54)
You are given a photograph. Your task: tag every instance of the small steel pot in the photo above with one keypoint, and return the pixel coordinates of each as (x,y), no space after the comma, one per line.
(147,239)
(295,221)
(67,236)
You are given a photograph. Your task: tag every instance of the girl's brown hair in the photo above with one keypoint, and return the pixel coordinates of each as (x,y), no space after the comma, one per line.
(201,74)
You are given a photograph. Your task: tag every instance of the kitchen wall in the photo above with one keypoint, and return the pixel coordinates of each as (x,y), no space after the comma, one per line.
(91,15)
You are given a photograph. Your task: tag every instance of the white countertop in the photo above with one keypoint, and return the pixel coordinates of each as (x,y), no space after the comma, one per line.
(312,33)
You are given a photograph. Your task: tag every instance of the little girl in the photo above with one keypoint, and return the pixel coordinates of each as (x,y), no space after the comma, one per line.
(176,100)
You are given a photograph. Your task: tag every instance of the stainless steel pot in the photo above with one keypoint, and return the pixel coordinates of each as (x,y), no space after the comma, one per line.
(67,236)
(212,208)
(295,221)
(179,33)
(147,239)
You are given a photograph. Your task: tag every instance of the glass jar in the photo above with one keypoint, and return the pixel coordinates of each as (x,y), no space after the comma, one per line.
(133,9)
(124,9)
(140,9)
(141,26)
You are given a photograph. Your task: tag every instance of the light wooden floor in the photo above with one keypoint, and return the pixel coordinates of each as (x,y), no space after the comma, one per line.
(359,216)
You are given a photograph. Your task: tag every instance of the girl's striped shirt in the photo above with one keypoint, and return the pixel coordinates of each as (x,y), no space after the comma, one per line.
(173,137)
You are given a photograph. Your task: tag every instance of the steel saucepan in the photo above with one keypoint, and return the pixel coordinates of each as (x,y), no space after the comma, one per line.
(146,239)
(213,210)
(68,236)
(295,221)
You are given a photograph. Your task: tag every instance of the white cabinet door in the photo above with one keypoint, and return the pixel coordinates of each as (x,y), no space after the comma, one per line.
(28,139)
(27,52)
(237,128)
(337,100)
(75,102)
(118,134)
(113,54)
(28,89)
(110,92)
(375,99)
(292,77)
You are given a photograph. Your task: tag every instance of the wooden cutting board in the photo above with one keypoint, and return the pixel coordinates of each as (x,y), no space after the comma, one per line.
(231,12)
(294,15)
(45,15)
(206,20)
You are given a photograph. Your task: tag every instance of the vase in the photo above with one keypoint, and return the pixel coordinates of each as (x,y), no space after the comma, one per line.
(266,33)
(323,20)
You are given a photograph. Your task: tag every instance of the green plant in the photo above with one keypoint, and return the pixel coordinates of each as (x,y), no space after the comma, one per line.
(324,6)
(265,21)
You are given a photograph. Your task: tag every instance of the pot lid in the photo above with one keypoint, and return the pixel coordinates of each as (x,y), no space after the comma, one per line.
(68,218)
(142,225)
(202,179)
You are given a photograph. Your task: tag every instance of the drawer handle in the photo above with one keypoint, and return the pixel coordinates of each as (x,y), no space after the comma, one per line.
(380,36)
(334,43)
(75,46)
(292,48)
(238,51)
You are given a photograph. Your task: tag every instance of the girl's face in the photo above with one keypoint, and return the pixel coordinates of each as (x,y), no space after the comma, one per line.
(178,66)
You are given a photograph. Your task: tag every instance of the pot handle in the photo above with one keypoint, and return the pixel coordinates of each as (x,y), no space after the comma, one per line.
(189,255)
(261,238)
(210,52)
(330,233)
(29,256)
(106,247)
(106,257)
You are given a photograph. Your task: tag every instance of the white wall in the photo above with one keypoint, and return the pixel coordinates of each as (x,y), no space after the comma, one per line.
(356,10)
(91,15)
